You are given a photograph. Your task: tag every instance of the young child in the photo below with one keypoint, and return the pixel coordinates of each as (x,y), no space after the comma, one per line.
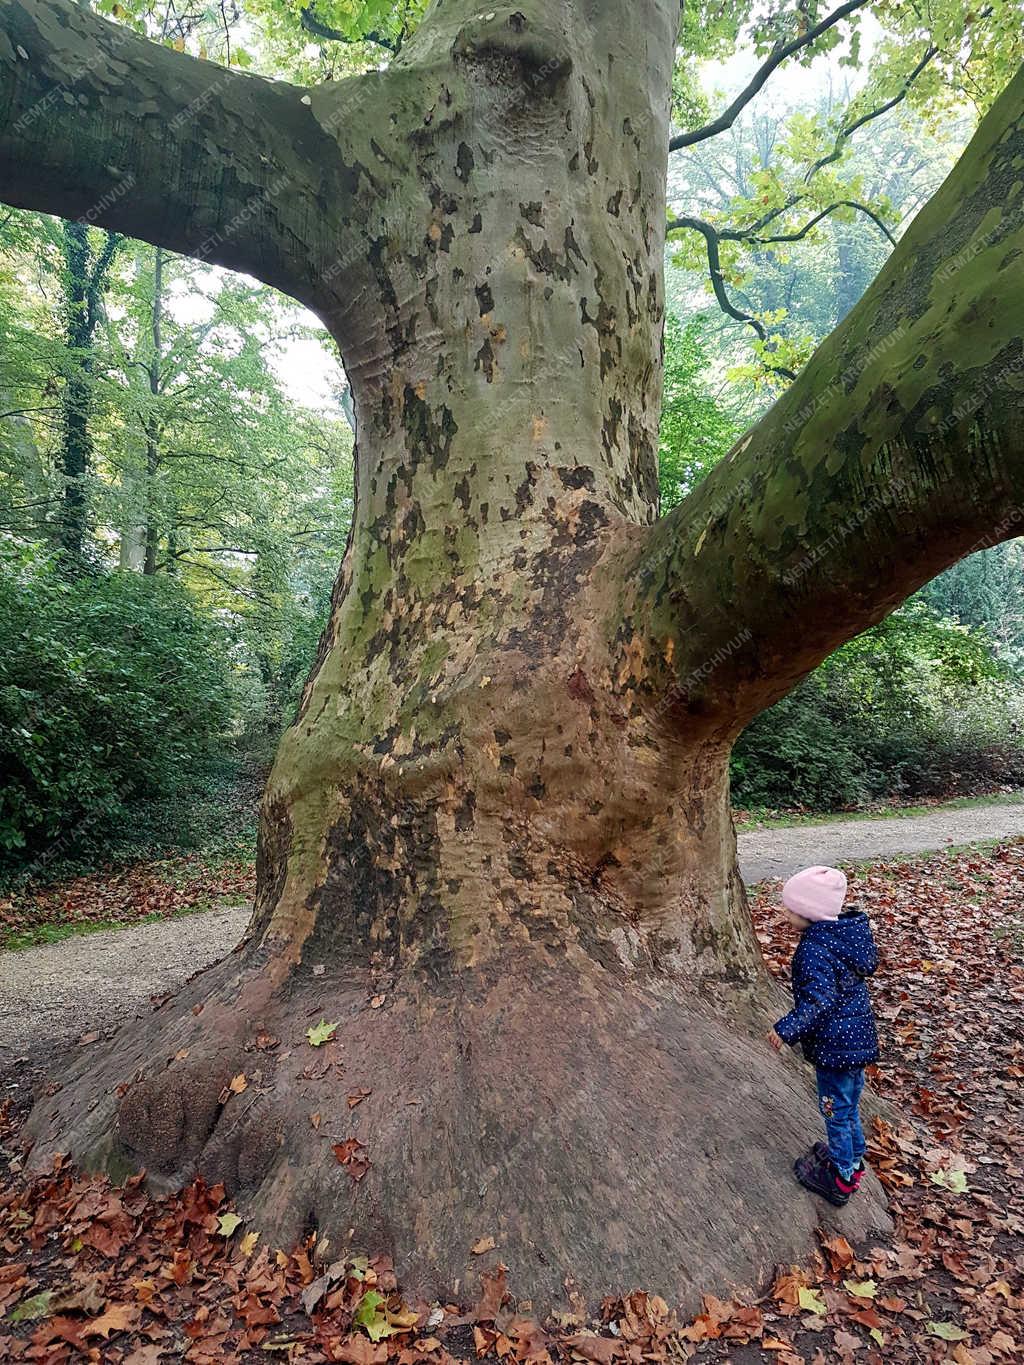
(832,1019)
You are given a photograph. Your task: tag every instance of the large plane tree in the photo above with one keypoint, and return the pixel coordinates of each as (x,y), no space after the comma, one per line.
(496,849)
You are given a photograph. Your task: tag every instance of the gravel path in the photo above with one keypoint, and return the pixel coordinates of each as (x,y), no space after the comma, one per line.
(50,996)
(780,852)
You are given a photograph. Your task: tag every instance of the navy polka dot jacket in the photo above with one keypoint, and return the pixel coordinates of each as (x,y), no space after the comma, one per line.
(831,1016)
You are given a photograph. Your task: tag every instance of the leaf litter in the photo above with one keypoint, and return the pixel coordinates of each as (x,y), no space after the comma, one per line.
(93,1273)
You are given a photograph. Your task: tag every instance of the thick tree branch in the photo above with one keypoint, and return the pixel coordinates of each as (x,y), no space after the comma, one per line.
(777,56)
(224,167)
(899,449)
(318,29)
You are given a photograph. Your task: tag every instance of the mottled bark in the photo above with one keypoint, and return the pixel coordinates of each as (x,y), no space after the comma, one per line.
(496,844)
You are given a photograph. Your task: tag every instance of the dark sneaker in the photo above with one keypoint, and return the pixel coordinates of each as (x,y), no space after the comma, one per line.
(820,1152)
(821,1177)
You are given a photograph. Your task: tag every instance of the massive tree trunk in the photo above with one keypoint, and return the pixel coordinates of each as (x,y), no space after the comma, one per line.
(496,847)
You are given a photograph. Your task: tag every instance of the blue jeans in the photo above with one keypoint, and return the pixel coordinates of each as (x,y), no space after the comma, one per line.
(839,1102)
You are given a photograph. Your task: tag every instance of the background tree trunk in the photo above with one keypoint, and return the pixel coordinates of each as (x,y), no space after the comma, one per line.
(152,430)
(85,279)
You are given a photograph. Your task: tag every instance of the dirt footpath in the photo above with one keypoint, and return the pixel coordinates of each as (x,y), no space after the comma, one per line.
(53,995)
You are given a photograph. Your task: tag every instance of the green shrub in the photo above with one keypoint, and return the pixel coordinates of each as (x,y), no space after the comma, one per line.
(113,689)
(917,706)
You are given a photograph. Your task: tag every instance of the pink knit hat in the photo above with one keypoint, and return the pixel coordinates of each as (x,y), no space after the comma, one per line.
(815,893)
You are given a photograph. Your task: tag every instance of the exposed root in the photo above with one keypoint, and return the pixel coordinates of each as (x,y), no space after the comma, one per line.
(591,1127)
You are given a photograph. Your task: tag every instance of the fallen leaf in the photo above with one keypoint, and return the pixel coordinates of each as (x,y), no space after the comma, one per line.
(948,1331)
(38,1306)
(863,1289)
(811,1302)
(119,1317)
(369,1317)
(321,1033)
(951,1180)
(602,1350)
(840,1253)
(352,1155)
(227,1223)
(483,1244)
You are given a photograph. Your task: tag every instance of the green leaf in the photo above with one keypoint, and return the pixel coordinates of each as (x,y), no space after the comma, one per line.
(227,1224)
(948,1331)
(812,1302)
(321,1033)
(38,1306)
(370,1318)
(950,1180)
(864,1289)
(876,1336)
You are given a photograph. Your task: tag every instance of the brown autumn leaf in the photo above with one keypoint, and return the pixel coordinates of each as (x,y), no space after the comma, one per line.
(493,1283)
(352,1155)
(601,1350)
(358,1349)
(119,1317)
(150,1354)
(840,1253)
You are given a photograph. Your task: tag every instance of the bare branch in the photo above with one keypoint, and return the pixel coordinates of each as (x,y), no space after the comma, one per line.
(813,222)
(712,239)
(778,55)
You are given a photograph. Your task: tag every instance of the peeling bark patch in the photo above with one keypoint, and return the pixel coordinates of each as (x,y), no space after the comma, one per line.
(464,162)
(485,299)
(524,493)
(579,688)
(576,476)
(382,893)
(465,814)
(542,258)
(425,433)
(485,360)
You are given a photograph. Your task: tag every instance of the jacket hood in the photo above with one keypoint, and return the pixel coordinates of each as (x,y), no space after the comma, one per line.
(850,939)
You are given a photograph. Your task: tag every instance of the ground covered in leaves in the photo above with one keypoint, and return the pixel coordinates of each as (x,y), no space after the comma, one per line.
(131,894)
(92,1273)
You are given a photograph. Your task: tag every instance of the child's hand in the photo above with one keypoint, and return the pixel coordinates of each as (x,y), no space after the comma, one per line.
(773,1040)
